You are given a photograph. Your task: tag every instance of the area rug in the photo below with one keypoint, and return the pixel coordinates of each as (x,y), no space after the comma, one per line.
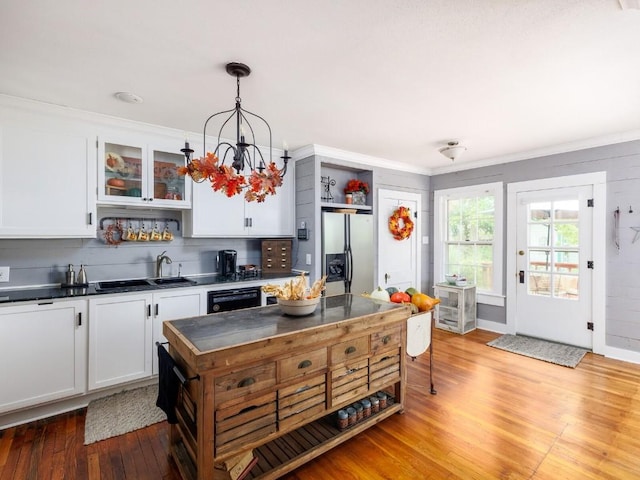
(121,413)
(565,355)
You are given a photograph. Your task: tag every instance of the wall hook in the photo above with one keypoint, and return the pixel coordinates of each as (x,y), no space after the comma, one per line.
(630,209)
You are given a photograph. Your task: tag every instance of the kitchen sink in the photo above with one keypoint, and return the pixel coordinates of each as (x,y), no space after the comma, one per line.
(171,281)
(141,283)
(115,284)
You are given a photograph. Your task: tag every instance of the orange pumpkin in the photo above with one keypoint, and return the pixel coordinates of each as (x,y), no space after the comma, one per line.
(424,302)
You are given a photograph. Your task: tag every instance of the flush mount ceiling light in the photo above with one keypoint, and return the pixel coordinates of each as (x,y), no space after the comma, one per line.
(129,97)
(630,4)
(234,168)
(453,150)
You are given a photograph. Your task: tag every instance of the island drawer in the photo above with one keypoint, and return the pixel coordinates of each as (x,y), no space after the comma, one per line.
(350,349)
(302,364)
(245,421)
(298,402)
(384,369)
(386,340)
(349,382)
(244,382)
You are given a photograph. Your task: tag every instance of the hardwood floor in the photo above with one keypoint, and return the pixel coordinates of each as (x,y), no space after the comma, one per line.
(496,415)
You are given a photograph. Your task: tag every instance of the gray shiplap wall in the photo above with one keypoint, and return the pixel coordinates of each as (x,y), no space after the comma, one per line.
(621,162)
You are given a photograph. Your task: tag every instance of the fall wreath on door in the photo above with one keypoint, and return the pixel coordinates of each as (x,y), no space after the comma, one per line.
(400,223)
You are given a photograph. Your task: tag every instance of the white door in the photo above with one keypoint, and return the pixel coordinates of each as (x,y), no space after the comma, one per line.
(398,260)
(554,282)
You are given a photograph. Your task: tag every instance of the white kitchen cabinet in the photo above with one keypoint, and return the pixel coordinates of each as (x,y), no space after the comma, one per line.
(141,173)
(47,177)
(43,352)
(124,328)
(120,339)
(213,214)
(173,305)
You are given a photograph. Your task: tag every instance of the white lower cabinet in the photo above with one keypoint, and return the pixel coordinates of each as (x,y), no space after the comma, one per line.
(124,329)
(43,351)
(120,334)
(173,306)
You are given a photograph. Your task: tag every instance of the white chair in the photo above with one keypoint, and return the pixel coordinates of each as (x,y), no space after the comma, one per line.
(419,334)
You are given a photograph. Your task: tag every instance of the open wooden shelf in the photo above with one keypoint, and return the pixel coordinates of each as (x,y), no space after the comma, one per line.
(293,449)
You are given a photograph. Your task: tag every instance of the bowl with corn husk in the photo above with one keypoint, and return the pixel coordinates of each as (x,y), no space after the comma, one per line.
(295,298)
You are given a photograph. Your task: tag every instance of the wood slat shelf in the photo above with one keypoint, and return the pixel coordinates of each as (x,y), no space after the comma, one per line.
(286,453)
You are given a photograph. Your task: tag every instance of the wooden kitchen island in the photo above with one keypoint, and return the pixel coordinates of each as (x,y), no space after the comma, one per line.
(273,383)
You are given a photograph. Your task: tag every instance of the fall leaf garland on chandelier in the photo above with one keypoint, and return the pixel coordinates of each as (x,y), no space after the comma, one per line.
(400,223)
(224,178)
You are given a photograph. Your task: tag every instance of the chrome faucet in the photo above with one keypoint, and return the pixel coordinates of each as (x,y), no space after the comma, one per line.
(159,260)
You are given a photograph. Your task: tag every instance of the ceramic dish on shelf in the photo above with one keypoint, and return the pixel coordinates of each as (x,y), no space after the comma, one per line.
(113,162)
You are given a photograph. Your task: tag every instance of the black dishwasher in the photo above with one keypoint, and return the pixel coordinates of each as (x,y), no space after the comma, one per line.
(233,299)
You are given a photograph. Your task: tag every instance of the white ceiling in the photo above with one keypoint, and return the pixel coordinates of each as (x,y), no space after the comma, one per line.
(392,79)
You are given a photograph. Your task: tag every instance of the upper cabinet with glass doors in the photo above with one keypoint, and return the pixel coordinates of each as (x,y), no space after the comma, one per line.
(141,174)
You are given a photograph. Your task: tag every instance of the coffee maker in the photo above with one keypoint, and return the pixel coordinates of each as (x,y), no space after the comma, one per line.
(227,262)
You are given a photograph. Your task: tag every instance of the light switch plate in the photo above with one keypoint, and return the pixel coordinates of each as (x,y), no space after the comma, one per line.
(308,259)
(4,274)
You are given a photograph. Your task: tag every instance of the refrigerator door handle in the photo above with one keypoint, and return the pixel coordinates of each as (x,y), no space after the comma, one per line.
(350,263)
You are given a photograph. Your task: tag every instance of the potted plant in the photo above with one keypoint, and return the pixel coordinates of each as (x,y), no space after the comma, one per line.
(358,190)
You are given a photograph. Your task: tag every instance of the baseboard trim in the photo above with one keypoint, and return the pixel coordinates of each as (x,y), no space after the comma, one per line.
(38,412)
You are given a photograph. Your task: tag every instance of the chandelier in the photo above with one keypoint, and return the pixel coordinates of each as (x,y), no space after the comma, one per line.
(240,167)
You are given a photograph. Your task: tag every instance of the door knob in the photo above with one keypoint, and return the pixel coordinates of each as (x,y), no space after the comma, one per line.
(386,277)
(520,252)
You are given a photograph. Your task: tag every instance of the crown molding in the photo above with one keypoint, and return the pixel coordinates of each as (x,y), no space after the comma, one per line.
(359,158)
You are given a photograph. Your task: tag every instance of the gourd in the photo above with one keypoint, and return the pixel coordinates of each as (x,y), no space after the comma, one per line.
(380,294)
(400,297)
(424,302)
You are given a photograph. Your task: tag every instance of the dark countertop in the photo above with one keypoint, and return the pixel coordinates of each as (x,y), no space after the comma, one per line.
(237,327)
(24,294)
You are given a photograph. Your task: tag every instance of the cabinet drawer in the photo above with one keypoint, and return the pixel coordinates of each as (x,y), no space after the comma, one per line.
(384,369)
(344,351)
(349,382)
(244,382)
(302,364)
(245,422)
(386,340)
(299,402)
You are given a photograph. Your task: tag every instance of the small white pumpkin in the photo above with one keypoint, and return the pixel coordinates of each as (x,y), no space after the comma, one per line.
(380,294)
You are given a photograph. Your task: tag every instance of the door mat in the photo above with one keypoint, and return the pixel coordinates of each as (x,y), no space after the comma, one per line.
(121,413)
(560,354)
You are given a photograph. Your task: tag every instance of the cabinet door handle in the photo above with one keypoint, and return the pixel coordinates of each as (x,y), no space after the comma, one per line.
(148,310)
(305,364)
(90,218)
(157,309)
(246,382)
(79,319)
(350,349)
(386,339)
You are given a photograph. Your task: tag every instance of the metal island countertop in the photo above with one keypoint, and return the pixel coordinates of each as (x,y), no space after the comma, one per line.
(230,329)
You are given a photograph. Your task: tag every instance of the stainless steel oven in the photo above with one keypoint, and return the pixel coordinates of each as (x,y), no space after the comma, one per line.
(233,299)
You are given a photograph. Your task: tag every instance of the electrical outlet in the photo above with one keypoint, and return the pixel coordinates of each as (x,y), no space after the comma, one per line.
(4,274)
(308,259)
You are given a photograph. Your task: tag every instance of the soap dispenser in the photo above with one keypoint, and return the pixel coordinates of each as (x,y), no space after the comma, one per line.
(82,276)
(71,276)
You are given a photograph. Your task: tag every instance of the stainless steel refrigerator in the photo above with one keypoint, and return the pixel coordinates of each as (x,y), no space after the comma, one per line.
(347,252)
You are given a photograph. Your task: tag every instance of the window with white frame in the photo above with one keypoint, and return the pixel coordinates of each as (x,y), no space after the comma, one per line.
(468,237)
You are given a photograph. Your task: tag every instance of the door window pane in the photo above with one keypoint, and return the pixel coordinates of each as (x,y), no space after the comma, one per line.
(566,234)
(540,260)
(539,235)
(539,284)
